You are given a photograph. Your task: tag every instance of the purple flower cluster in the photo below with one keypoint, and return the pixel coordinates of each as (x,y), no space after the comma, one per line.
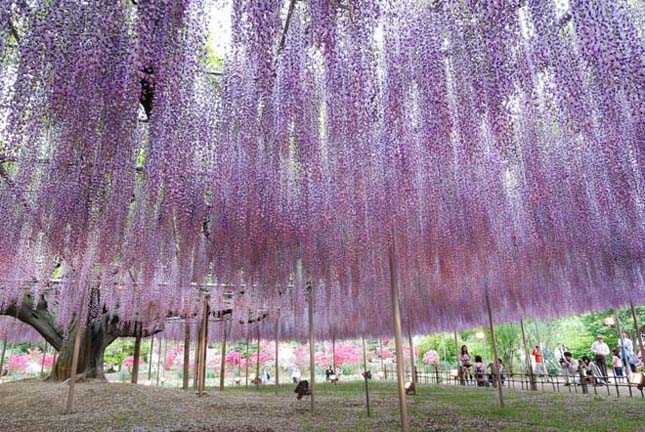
(498,144)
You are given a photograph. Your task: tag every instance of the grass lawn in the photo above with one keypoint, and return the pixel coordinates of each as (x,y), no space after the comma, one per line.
(32,405)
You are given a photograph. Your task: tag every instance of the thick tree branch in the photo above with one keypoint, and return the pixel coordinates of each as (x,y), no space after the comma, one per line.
(39,318)
(14,32)
(292,5)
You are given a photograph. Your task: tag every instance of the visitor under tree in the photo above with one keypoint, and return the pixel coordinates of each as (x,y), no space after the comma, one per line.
(600,351)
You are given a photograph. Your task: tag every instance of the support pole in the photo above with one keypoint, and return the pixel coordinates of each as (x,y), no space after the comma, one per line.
(396,317)
(498,376)
(639,335)
(137,351)
(380,344)
(247,361)
(257,362)
(222,366)
(312,363)
(72,379)
(528,359)
(277,360)
(367,390)
(202,389)
(457,351)
(626,369)
(42,364)
(198,356)
(163,360)
(413,376)
(186,354)
(159,356)
(333,354)
(152,350)
(4,350)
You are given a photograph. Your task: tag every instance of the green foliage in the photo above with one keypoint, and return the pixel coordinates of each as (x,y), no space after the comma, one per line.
(577,332)
(120,349)
(509,344)
(444,344)
(116,352)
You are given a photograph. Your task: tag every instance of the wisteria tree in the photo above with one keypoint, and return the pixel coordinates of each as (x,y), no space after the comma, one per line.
(494,147)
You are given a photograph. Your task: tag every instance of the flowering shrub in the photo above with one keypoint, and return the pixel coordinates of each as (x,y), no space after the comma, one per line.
(18,364)
(347,354)
(129,361)
(170,360)
(385,353)
(233,359)
(431,358)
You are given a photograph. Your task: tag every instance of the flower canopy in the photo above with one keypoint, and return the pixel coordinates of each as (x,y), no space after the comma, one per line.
(496,146)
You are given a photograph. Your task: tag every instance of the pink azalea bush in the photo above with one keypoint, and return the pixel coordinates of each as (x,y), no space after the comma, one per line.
(347,354)
(385,353)
(171,358)
(19,363)
(129,361)
(431,358)
(233,359)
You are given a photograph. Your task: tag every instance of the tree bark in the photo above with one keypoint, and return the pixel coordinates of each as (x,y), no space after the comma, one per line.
(96,336)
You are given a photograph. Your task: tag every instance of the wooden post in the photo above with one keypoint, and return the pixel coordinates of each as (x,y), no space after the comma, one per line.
(152,350)
(312,363)
(72,379)
(413,377)
(257,362)
(396,317)
(247,361)
(222,366)
(457,350)
(138,329)
(367,390)
(163,358)
(277,365)
(528,359)
(333,353)
(380,344)
(4,350)
(198,356)
(159,357)
(204,353)
(626,369)
(639,335)
(498,376)
(42,364)
(186,354)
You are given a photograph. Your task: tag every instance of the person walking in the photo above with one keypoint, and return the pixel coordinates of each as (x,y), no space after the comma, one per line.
(539,363)
(630,358)
(600,352)
(617,364)
(465,374)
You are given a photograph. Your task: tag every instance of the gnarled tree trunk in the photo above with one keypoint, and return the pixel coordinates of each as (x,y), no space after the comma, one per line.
(96,336)
(94,339)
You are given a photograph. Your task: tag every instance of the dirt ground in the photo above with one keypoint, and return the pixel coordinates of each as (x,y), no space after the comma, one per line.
(33,406)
